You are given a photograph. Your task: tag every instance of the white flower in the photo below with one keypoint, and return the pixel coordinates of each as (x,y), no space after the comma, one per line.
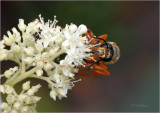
(39,72)
(64,67)
(32,27)
(26,85)
(10,36)
(56,77)
(36,99)
(15,48)
(48,30)
(21,25)
(14,111)
(17,105)
(2,46)
(29,51)
(10,98)
(59,40)
(61,92)
(40,64)
(39,45)
(16,35)
(2,89)
(22,97)
(35,88)
(47,66)
(8,89)
(53,94)
(72,28)
(7,40)
(25,109)
(3,105)
(10,72)
(82,29)
(53,51)
(4,54)
(28,60)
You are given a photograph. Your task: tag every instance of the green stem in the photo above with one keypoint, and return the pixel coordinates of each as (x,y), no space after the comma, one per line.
(23,57)
(22,76)
(15,75)
(43,78)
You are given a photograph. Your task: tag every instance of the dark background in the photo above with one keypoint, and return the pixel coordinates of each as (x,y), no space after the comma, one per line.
(134,78)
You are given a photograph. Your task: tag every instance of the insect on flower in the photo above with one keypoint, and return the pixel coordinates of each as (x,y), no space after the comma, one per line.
(104,53)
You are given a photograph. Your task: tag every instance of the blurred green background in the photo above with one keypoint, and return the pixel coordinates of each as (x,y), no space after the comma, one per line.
(134,79)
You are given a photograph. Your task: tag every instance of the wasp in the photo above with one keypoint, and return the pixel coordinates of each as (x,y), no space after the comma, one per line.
(104,53)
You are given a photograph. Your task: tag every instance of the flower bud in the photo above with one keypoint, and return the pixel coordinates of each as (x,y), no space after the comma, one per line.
(8,89)
(83,29)
(4,54)
(7,40)
(39,45)
(72,28)
(21,25)
(65,45)
(59,40)
(71,75)
(15,48)
(28,60)
(26,85)
(40,64)
(22,97)
(10,98)
(28,100)
(61,92)
(26,36)
(17,105)
(25,109)
(48,66)
(30,92)
(53,51)
(10,36)
(3,106)
(53,94)
(33,90)
(16,35)
(36,99)
(15,69)
(56,77)
(8,73)
(14,111)
(45,55)
(2,89)
(29,51)
(39,72)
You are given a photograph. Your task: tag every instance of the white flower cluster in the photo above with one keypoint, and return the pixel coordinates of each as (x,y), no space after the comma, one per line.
(45,47)
(25,102)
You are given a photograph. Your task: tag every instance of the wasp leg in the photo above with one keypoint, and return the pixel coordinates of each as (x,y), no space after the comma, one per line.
(102,73)
(88,75)
(90,36)
(101,69)
(94,63)
(104,37)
